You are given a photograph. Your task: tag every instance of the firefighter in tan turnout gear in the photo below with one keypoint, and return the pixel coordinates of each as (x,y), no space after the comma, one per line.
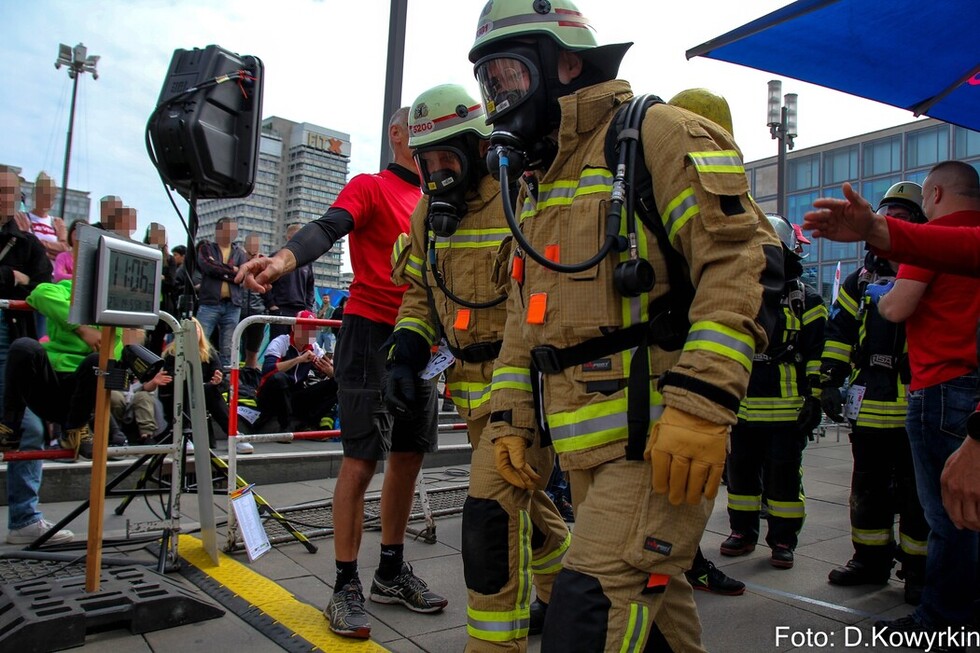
(598,312)
(449,263)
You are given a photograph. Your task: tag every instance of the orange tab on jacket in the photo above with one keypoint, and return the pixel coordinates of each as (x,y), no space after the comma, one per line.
(462,322)
(517,269)
(536,307)
(656,584)
(553,253)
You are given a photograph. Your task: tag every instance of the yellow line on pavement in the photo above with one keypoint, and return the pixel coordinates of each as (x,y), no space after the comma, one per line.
(271,599)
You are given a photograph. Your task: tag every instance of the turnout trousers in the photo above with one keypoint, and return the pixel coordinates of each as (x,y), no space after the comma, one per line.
(766,464)
(883,483)
(624,570)
(509,536)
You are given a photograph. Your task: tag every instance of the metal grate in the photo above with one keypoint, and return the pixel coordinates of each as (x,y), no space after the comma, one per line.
(315,520)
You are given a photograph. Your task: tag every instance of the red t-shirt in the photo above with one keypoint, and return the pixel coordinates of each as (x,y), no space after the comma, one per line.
(942,331)
(381,205)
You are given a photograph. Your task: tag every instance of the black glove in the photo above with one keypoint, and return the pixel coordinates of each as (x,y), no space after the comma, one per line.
(831,402)
(809,417)
(400,390)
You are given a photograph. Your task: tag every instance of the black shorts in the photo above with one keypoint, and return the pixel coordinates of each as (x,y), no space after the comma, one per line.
(367,430)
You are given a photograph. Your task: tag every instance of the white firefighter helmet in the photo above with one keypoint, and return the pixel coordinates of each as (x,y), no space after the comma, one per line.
(907,194)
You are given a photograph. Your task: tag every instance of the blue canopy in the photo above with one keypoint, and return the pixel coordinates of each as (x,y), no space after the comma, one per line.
(919,56)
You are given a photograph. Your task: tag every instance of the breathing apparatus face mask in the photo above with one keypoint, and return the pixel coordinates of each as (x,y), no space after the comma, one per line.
(517,106)
(445,179)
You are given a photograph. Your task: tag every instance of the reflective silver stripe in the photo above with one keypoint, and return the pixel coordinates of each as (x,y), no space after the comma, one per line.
(498,626)
(605,423)
(720,161)
(711,335)
(414,266)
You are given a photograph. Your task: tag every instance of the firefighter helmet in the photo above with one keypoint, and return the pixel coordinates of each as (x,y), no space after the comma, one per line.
(442,112)
(785,231)
(707,104)
(907,194)
(558,19)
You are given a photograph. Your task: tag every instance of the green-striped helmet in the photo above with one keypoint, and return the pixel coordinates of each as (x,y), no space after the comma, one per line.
(445,111)
(559,19)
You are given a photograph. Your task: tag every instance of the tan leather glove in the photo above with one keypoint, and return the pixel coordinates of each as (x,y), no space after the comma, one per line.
(687,454)
(508,452)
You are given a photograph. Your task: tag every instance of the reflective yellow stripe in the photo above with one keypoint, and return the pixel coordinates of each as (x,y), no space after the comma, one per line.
(745,502)
(722,340)
(552,562)
(418,326)
(473,238)
(786,509)
(469,395)
(508,625)
(871,536)
(564,192)
(401,243)
(837,350)
(513,378)
(678,211)
(723,161)
(818,312)
(912,546)
(635,637)
(813,367)
(596,424)
(414,266)
(847,302)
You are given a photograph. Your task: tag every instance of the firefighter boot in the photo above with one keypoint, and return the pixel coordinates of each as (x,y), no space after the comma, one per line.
(737,545)
(856,572)
(914,576)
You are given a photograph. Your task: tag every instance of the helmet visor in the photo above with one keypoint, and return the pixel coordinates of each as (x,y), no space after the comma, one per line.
(505,82)
(898,211)
(442,168)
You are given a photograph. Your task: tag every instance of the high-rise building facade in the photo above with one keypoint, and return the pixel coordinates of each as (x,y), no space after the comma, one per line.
(871,162)
(301,169)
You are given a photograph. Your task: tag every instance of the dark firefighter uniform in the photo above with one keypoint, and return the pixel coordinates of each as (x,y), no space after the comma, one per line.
(870,352)
(765,463)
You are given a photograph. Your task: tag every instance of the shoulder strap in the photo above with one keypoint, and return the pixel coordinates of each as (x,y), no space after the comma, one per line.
(670,323)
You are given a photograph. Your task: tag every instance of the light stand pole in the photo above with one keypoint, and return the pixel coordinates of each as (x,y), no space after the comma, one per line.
(78,62)
(393,74)
(782,126)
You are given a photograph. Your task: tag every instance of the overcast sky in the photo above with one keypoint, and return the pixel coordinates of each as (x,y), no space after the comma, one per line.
(325,64)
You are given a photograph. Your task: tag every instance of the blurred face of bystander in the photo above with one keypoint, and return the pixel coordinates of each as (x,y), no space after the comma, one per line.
(108,207)
(157,235)
(44,191)
(123,222)
(252,245)
(225,233)
(9,189)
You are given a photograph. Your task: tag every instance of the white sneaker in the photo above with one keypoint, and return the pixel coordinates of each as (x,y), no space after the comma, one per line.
(243,448)
(31,532)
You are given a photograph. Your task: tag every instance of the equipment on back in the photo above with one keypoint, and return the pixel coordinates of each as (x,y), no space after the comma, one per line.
(705,103)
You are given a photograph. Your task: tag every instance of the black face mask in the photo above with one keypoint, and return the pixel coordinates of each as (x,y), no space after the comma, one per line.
(447,202)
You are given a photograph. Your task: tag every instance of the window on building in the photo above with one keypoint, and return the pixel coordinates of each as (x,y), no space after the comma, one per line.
(803,173)
(831,251)
(927,147)
(798,204)
(883,156)
(840,165)
(874,190)
(966,143)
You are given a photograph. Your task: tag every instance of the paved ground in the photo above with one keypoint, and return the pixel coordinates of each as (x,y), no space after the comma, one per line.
(799,600)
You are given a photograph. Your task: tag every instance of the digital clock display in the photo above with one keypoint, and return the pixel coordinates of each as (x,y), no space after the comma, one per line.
(131,283)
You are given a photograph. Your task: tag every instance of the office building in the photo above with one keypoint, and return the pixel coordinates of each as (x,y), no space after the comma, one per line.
(301,169)
(872,162)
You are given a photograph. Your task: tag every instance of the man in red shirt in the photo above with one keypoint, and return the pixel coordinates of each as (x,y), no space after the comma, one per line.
(940,313)
(374,210)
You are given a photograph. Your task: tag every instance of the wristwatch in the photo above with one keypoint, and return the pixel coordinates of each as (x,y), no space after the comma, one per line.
(973,424)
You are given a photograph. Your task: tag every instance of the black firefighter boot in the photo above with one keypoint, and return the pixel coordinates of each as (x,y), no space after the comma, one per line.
(856,572)
(913,573)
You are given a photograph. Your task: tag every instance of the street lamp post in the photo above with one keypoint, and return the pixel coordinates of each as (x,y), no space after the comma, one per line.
(78,62)
(782,126)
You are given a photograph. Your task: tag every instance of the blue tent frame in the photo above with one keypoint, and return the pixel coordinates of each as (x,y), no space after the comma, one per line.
(918,56)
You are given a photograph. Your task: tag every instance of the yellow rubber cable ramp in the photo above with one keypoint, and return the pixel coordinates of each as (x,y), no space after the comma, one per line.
(263,604)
